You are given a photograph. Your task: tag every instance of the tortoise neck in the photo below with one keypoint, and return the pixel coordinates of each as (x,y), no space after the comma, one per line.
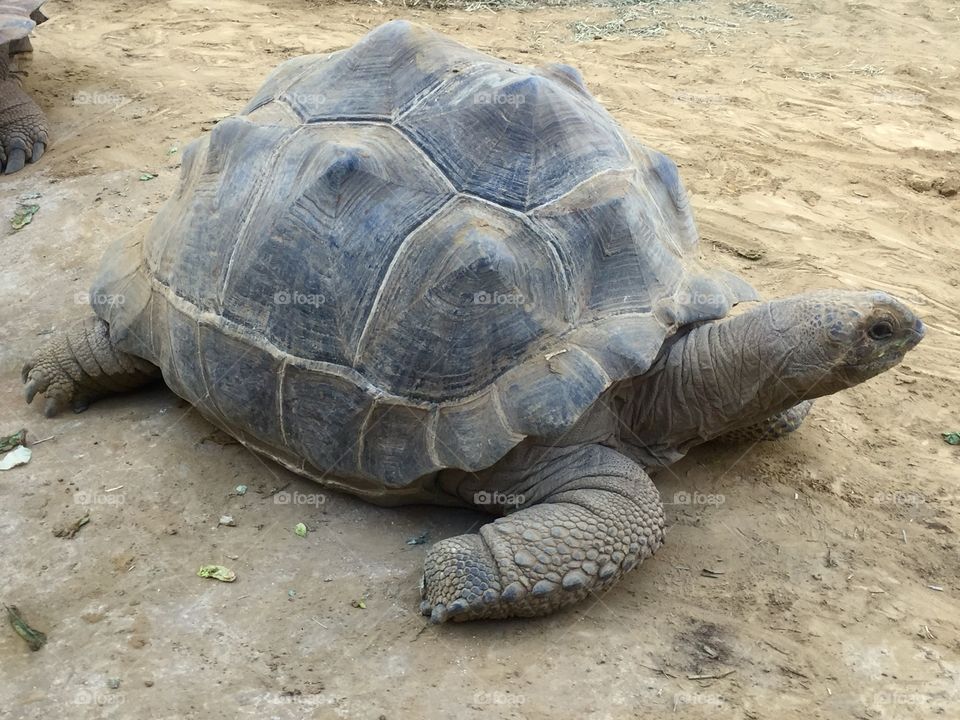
(706,382)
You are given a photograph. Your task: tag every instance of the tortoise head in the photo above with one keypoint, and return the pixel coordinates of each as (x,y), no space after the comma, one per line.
(841,338)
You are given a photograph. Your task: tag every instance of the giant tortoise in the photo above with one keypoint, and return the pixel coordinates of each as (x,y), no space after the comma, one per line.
(419,274)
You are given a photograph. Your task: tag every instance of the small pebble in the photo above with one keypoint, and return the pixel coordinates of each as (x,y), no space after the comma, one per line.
(949,187)
(919,183)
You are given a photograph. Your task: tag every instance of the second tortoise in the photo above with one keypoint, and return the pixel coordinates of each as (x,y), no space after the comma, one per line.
(23,126)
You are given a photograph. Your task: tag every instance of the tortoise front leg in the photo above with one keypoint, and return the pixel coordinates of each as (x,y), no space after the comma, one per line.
(771,428)
(578,519)
(80,365)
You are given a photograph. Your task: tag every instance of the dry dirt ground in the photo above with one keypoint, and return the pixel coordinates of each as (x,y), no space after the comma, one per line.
(819,141)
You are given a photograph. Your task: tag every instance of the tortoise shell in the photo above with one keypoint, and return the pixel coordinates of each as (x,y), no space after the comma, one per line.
(18,18)
(408,256)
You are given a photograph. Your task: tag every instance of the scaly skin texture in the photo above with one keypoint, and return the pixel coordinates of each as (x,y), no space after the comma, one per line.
(578,519)
(23,126)
(79,365)
(773,427)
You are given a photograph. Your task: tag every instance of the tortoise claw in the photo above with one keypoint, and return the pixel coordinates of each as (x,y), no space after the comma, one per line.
(439,614)
(51,407)
(32,388)
(16,159)
(457,607)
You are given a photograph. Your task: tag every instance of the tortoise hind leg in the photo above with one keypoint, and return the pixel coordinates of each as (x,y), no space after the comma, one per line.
(578,520)
(773,427)
(23,126)
(80,365)
(20,46)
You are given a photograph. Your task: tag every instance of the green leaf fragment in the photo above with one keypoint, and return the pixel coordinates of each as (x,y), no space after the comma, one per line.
(23,215)
(951,438)
(11,441)
(147,176)
(217,572)
(300,529)
(35,639)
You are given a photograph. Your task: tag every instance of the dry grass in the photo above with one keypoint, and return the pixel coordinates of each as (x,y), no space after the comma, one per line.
(630,18)
(470,5)
(760,10)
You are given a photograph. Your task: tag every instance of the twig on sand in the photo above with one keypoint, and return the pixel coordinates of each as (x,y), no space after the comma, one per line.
(711,676)
(658,670)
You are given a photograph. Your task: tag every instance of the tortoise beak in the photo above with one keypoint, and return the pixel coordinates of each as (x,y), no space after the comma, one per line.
(918,330)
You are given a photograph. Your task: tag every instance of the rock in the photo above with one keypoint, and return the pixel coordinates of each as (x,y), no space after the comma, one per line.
(948,187)
(919,183)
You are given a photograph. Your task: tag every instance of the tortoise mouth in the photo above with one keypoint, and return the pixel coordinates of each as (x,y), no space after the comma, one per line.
(874,367)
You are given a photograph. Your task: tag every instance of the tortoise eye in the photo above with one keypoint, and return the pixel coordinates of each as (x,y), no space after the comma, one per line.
(881,330)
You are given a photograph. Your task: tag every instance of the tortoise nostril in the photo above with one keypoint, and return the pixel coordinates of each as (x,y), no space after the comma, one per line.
(881,330)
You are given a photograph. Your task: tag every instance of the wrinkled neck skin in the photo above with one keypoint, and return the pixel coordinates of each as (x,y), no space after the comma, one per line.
(715,378)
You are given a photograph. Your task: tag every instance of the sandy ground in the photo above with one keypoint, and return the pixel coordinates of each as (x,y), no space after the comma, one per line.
(810,143)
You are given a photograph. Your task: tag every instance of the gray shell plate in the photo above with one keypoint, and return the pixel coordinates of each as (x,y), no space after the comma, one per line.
(15,20)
